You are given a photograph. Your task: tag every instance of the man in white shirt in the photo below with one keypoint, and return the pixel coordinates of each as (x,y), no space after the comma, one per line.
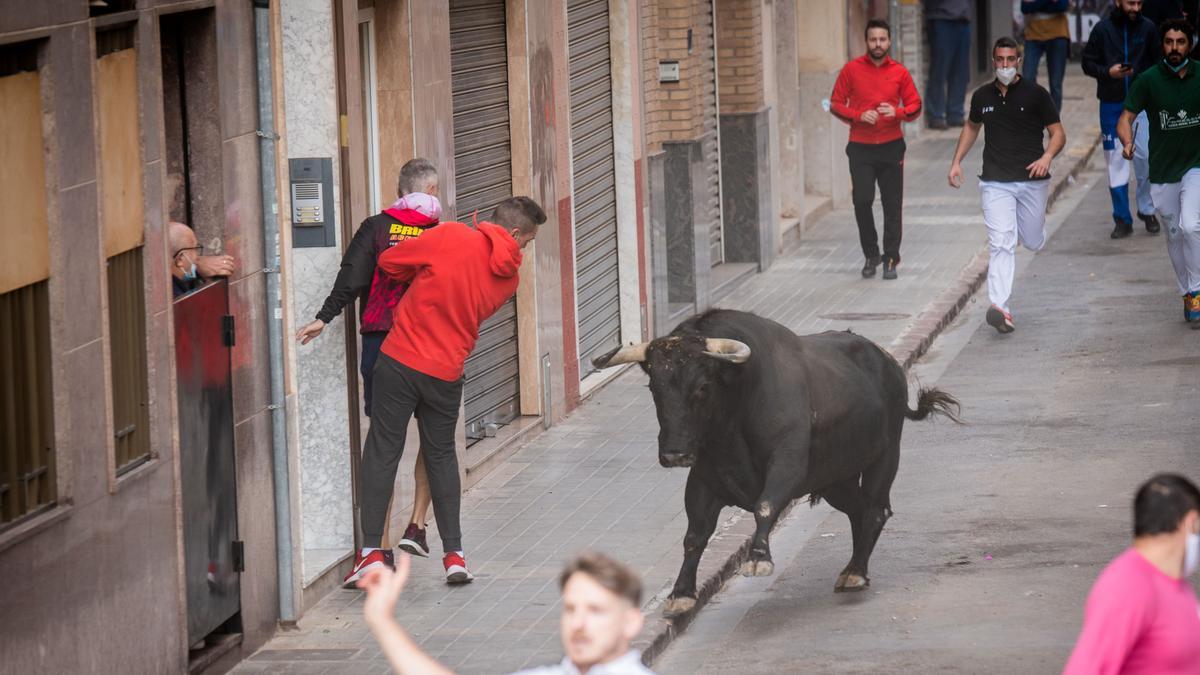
(601,616)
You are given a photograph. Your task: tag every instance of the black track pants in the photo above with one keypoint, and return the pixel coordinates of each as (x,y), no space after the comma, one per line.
(399,391)
(883,163)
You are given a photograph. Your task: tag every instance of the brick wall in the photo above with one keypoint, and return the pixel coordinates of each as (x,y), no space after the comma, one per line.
(667,110)
(673,111)
(739,55)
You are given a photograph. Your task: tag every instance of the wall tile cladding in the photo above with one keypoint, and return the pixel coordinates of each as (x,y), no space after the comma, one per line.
(739,56)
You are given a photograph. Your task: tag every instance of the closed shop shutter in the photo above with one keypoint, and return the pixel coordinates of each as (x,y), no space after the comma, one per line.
(710,146)
(597,283)
(483,178)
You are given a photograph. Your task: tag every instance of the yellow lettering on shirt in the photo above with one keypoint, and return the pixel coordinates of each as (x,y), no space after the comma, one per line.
(400,232)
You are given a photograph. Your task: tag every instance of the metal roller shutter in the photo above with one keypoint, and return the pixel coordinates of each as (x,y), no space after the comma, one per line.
(597,283)
(710,145)
(483,178)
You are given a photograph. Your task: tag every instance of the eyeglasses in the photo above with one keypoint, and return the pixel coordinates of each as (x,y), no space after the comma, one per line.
(198,249)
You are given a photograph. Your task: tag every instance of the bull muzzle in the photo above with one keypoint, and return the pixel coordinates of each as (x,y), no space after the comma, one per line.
(676,459)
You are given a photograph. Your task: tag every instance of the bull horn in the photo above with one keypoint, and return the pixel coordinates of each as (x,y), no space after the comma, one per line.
(727,350)
(628,354)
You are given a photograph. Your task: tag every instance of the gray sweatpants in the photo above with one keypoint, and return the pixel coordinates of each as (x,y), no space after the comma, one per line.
(398,392)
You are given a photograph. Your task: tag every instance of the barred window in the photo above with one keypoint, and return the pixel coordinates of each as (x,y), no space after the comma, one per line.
(27,467)
(127,340)
(121,213)
(26,405)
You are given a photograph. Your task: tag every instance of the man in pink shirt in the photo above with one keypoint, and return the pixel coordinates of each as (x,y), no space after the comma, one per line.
(1142,615)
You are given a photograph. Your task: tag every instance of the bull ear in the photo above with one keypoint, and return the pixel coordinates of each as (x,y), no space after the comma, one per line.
(628,354)
(724,349)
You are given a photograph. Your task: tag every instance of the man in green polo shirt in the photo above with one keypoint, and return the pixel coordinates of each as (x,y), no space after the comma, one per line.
(1170,95)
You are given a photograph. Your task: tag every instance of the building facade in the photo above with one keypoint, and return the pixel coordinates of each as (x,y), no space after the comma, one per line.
(115,119)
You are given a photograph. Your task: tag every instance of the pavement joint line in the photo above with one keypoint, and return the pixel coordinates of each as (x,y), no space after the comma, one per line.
(479,616)
(660,631)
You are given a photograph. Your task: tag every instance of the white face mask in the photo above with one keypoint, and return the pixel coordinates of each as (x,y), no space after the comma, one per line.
(1191,554)
(1006,75)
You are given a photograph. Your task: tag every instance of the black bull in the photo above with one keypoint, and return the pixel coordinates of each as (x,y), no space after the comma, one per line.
(764,416)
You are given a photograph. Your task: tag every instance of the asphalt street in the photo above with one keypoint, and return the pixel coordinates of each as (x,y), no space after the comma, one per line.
(1001,524)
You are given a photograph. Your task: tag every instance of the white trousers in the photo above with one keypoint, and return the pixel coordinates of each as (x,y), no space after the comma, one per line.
(1012,212)
(1178,206)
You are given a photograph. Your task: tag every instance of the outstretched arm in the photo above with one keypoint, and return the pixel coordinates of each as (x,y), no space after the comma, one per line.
(353,277)
(966,139)
(383,587)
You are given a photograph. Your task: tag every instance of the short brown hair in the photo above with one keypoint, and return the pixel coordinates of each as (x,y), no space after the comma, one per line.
(519,212)
(613,575)
(1006,42)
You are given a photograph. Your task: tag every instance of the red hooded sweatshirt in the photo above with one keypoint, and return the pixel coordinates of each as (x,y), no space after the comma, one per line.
(457,277)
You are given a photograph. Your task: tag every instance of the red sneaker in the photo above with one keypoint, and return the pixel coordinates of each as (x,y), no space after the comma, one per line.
(456,569)
(362,564)
(413,541)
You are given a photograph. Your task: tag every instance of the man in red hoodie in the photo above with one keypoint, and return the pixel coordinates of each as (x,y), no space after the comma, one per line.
(457,277)
(410,216)
(873,94)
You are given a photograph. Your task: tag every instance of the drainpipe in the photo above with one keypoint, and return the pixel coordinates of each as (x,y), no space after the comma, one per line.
(270,210)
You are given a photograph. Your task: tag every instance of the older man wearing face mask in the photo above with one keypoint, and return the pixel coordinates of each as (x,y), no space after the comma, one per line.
(189,269)
(1142,615)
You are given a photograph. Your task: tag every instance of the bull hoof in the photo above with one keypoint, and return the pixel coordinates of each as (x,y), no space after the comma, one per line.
(677,606)
(758,568)
(849,583)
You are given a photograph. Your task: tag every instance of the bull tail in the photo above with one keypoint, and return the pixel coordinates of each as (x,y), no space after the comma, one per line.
(934,402)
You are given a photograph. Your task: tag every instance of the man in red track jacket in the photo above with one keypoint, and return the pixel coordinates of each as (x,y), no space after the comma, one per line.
(873,94)
(457,277)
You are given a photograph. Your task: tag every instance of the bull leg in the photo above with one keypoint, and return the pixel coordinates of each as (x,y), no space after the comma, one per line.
(775,495)
(847,497)
(703,509)
(876,509)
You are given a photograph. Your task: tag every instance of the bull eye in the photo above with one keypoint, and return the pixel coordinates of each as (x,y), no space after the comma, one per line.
(701,390)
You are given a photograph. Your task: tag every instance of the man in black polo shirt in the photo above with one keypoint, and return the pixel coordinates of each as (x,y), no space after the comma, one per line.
(1169,93)
(1016,169)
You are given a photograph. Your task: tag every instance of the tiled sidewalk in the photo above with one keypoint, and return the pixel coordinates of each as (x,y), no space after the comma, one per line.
(593,480)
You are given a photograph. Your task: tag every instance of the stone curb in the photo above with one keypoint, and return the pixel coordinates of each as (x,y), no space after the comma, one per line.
(730,544)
